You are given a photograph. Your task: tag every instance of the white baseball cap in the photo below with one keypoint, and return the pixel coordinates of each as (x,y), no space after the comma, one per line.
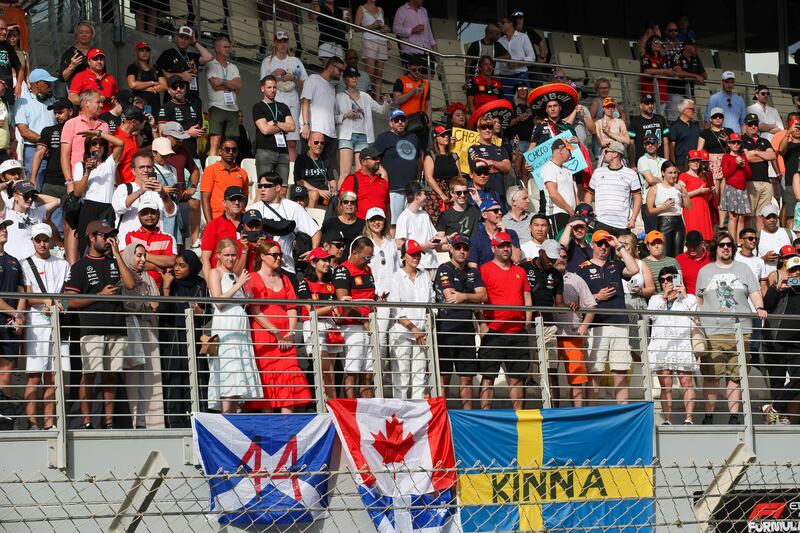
(41,229)
(375,212)
(163,146)
(728,75)
(9,165)
(148,203)
(792,262)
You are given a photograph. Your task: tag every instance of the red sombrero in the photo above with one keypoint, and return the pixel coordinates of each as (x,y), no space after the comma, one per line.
(566,94)
(501,108)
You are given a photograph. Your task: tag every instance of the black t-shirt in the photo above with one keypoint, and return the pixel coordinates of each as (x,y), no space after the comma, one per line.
(185,114)
(152,99)
(791,159)
(464,222)
(334,229)
(525,128)
(464,280)
(545,130)
(112,120)
(577,255)
(640,127)
(545,284)
(400,156)
(597,278)
(176,61)
(312,171)
(277,112)
(66,59)
(89,276)
(760,170)
(689,64)
(716,142)
(329,31)
(51,139)
(10,278)
(489,152)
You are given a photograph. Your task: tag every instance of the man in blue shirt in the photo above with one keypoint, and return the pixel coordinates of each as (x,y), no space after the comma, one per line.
(481,250)
(32,116)
(731,103)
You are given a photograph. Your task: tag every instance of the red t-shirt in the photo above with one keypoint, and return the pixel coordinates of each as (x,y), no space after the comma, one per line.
(505,287)
(156,243)
(219,228)
(372,192)
(484,90)
(360,285)
(129,149)
(689,269)
(106,85)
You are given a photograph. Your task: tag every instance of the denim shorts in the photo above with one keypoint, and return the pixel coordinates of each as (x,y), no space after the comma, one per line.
(356,142)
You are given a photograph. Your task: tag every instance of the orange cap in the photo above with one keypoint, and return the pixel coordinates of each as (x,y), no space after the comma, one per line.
(654,235)
(601,235)
(608,101)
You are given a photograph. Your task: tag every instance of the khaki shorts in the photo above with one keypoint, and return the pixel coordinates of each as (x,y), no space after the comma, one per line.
(609,344)
(721,359)
(550,345)
(223,122)
(102,353)
(760,193)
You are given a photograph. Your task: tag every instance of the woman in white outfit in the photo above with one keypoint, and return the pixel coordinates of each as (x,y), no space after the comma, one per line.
(233,372)
(384,266)
(670,347)
(142,360)
(291,74)
(374,49)
(409,340)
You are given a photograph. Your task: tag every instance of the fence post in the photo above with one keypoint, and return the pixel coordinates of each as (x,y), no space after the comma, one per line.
(647,376)
(316,356)
(58,455)
(433,356)
(375,337)
(744,384)
(191,343)
(544,361)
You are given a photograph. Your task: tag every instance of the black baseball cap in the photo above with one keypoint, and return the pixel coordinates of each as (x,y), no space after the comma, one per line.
(60,104)
(694,238)
(351,72)
(234,191)
(751,117)
(174,79)
(133,113)
(299,191)
(647,99)
(370,152)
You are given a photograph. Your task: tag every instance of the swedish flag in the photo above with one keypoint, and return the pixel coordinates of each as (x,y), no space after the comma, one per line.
(585,468)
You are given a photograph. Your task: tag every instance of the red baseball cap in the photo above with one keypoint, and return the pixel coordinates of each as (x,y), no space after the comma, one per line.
(787,251)
(94,52)
(502,237)
(142,44)
(413,247)
(704,155)
(695,154)
(734,137)
(793,122)
(318,253)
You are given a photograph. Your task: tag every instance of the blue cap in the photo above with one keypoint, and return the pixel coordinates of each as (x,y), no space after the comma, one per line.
(40,74)
(251,215)
(397,113)
(489,204)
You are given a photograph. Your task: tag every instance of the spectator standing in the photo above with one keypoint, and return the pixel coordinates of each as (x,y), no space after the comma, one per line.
(290,75)
(748,254)
(439,167)
(552,125)
(693,259)
(488,46)
(94,78)
(686,66)
(11,280)
(132,122)
(456,115)
(769,120)
(42,273)
(772,238)
(736,172)
(685,33)
(71,134)
(23,210)
(460,217)
(638,288)
(480,191)
(180,61)
(519,48)
(409,340)
(218,177)
(274,123)
(223,84)
(725,286)
(608,128)
(455,282)
(103,339)
(671,343)
(648,124)
(539,230)
(608,340)
(318,107)
(483,88)
(362,82)
(400,153)
(48,156)
(560,192)
(31,115)
(346,226)
(714,140)
(233,375)
(602,89)
(332,32)
(672,46)
(415,224)
(575,240)
(684,132)
(355,129)
(657,259)
(522,123)
(74,60)
(411,93)
(411,24)
(731,103)
(183,162)
(654,63)
(375,49)
(761,158)
(368,185)
(496,157)
(699,217)
(385,264)
(518,218)
(146,80)
(668,200)
(168,178)
(617,191)
(160,247)
(502,332)
(179,109)
(789,148)
(224,227)
(649,168)
(481,247)
(310,172)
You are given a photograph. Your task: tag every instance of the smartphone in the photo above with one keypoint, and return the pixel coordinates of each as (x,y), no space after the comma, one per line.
(148,110)
(677,280)
(612,286)
(436,241)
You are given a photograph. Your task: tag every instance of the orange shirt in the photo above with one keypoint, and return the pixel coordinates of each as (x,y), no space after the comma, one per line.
(216,179)
(415,104)
(776,142)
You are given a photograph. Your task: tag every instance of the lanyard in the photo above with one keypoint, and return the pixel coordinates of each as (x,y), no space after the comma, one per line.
(185,58)
(273,112)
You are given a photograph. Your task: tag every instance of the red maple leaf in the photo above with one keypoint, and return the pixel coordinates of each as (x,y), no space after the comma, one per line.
(393,447)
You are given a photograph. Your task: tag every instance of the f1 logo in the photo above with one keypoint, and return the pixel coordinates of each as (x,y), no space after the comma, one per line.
(767,510)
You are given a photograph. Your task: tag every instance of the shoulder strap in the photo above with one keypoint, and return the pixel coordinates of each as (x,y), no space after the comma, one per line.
(271,209)
(36,275)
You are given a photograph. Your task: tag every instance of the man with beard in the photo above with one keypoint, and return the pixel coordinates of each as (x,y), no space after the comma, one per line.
(460,217)
(186,113)
(32,115)
(161,248)
(400,156)
(103,333)
(648,124)
(317,104)
(96,77)
(181,62)
(224,227)
(412,95)
(371,189)
(217,178)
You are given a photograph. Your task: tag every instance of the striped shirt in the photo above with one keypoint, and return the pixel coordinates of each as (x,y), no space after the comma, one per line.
(612,194)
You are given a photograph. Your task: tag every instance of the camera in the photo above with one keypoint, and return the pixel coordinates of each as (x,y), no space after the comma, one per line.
(793,282)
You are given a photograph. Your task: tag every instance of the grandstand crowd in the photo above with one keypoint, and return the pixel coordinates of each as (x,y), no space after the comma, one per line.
(104,190)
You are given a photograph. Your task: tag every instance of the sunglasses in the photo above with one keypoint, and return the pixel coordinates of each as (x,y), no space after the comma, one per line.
(482,172)
(495,210)
(460,193)
(267,185)
(750,238)
(29,197)
(752,123)
(338,244)
(229,149)
(717,117)
(579,228)
(487,127)
(400,119)
(180,87)
(461,248)
(729,101)
(559,77)
(725,245)
(368,258)
(383,257)
(764,93)
(665,279)
(348,202)
(672,31)
(318,143)
(603,243)
(275,255)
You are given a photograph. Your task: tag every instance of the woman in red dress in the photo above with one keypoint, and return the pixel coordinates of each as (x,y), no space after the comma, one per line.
(273,326)
(699,216)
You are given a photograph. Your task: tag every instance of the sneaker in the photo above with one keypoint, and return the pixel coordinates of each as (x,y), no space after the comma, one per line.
(784,421)
(708,419)
(33,427)
(666,423)
(688,422)
(87,425)
(773,417)
(109,425)
(734,420)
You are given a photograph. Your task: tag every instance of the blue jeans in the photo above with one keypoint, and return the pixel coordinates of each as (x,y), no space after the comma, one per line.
(27,162)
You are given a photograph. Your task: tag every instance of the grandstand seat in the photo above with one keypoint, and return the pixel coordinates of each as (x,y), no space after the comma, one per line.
(729,60)
(290,181)
(619,48)
(245,37)
(212,16)
(591,45)
(444,29)
(561,43)
(707,57)
(453,70)
(714,74)
(178,12)
(770,80)
(572,59)
(438,96)
(210,160)
(249,166)
(630,84)
(309,36)
(449,46)
(702,94)
(599,62)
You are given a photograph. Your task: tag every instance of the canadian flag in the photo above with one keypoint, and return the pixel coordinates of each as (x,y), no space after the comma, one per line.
(396,444)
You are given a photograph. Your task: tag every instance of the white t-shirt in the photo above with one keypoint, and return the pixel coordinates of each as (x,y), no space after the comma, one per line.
(101,180)
(290,97)
(128,217)
(384,265)
(19,242)
(772,242)
(417,226)
(612,194)
(323,103)
(755,263)
(530,249)
(552,173)
(54,272)
(219,99)
(651,164)
(288,210)
(769,115)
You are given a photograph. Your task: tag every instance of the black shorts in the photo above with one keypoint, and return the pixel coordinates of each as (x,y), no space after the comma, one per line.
(511,349)
(9,344)
(457,353)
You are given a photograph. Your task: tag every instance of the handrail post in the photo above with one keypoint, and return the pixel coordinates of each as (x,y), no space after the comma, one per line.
(377,366)
(744,385)
(59,458)
(316,355)
(191,352)
(432,349)
(544,362)
(647,376)
(275,18)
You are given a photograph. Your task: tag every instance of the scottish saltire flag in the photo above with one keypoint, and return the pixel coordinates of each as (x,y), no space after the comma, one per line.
(584,468)
(404,454)
(282,462)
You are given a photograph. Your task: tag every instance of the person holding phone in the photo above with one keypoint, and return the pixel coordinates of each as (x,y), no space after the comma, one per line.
(145,79)
(415,224)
